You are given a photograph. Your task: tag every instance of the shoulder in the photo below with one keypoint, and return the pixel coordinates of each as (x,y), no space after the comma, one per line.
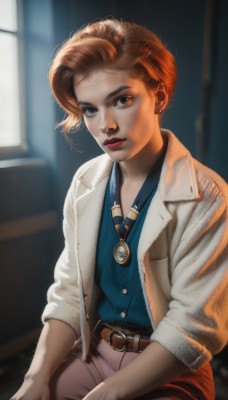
(184,178)
(209,212)
(93,170)
(87,177)
(210,184)
(85,180)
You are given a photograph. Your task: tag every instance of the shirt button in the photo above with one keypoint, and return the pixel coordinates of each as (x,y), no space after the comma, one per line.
(125,291)
(123,314)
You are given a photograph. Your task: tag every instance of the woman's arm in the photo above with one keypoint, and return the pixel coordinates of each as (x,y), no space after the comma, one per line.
(56,340)
(154,367)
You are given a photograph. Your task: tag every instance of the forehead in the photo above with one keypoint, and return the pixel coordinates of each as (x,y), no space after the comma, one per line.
(103,82)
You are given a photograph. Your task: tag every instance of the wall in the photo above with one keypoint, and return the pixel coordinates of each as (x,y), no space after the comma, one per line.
(27,226)
(218,137)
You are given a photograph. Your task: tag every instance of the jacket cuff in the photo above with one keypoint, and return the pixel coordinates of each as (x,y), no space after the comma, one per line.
(185,348)
(63,314)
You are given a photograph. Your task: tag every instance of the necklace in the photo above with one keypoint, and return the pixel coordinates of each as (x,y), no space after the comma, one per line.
(121,251)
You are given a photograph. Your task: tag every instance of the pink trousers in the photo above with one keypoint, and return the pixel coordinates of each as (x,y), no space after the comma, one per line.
(75,377)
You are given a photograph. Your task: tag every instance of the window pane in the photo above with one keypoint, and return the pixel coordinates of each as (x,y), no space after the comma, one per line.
(8,14)
(9,92)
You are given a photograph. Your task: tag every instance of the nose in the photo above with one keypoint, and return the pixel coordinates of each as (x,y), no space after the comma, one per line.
(108,123)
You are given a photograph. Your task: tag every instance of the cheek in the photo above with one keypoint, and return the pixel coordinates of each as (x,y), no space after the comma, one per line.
(141,122)
(131,118)
(136,118)
(145,114)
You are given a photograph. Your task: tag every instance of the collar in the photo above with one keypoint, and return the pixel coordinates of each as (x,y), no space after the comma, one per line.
(178,177)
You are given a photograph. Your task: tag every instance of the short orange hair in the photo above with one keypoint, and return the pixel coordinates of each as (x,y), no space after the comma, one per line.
(114,44)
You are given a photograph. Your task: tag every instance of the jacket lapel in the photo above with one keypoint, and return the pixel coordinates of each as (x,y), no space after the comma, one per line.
(156,220)
(88,208)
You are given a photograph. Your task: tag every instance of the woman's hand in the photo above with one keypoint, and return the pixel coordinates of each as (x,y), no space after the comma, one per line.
(55,342)
(103,391)
(33,388)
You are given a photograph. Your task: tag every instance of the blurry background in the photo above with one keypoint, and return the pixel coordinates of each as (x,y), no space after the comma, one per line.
(36,162)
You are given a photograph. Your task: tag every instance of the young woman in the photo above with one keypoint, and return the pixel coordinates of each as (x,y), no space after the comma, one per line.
(139,303)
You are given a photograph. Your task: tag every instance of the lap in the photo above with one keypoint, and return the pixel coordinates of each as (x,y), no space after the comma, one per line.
(75,377)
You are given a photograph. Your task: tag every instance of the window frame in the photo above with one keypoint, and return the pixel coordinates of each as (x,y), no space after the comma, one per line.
(22,148)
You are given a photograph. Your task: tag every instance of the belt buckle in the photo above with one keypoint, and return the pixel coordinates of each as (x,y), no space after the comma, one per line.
(123,336)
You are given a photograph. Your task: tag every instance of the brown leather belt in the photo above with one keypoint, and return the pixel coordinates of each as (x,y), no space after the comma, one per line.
(123,339)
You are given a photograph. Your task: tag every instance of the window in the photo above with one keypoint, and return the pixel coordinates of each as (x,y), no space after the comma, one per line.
(11,137)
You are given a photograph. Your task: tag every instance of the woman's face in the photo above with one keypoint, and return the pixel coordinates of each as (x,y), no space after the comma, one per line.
(119,112)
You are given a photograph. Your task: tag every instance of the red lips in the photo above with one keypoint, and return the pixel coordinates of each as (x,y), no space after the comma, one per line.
(112,141)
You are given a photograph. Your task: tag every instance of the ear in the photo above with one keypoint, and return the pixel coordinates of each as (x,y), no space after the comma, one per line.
(161,99)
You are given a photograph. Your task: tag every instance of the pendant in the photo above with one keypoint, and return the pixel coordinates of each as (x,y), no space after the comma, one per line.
(122,253)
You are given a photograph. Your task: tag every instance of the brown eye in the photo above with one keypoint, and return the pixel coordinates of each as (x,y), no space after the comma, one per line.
(123,99)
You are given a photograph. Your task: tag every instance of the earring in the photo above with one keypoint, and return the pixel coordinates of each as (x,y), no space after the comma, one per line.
(158,111)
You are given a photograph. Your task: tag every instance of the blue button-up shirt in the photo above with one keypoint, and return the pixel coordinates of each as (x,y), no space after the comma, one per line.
(122,300)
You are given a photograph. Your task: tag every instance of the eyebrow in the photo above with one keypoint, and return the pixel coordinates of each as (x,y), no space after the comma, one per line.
(109,96)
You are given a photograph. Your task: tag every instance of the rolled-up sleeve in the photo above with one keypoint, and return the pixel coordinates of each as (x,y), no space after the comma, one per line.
(196,324)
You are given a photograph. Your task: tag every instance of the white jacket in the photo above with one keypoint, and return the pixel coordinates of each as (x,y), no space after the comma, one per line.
(182,256)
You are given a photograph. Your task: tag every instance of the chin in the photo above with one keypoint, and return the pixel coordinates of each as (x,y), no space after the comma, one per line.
(118,158)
